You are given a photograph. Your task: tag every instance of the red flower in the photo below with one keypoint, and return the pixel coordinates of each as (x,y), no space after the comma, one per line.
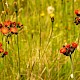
(14,30)
(67,46)
(4,30)
(5,53)
(74,45)
(63,50)
(13,24)
(7,23)
(1,50)
(76,11)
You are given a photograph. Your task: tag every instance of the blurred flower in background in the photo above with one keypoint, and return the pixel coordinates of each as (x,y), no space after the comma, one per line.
(42,14)
(50,9)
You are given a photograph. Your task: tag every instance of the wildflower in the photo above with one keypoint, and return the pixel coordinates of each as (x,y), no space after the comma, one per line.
(77,20)
(50,10)
(77,12)
(4,30)
(74,45)
(13,24)
(68,49)
(14,30)
(5,53)
(63,50)
(19,25)
(67,46)
(42,14)
(7,23)
(52,17)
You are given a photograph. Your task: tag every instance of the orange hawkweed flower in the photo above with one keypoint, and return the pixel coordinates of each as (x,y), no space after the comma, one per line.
(7,23)
(13,30)
(67,46)
(5,53)
(76,11)
(19,25)
(13,24)
(63,50)
(4,30)
(74,45)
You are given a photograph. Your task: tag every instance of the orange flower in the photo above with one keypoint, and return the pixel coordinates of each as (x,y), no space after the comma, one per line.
(13,30)
(19,25)
(67,46)
(4,30)
(63,50)
(5,53)
(76,11)
(74,45)
(13,24)
(7,23)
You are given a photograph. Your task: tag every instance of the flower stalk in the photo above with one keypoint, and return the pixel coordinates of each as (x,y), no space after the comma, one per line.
(68,51)
(52,21)
(16,11)
(72,67)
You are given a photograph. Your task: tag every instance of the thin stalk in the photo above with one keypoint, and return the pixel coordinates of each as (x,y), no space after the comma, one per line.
(18,55)
(16,11)
(73,16)
(49,39)
(72,67)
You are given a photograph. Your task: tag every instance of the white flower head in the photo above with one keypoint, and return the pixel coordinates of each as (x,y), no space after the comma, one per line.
(50,9)
(72,76)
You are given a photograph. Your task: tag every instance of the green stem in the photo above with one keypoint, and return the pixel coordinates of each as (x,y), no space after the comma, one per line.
(73,17)
(49,38)
(72,67)
(18,55)
(16,11)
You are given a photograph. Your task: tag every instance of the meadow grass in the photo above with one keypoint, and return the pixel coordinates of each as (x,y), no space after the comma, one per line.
(39,60)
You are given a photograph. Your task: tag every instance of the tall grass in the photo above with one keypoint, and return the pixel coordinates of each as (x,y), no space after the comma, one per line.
(38,59)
